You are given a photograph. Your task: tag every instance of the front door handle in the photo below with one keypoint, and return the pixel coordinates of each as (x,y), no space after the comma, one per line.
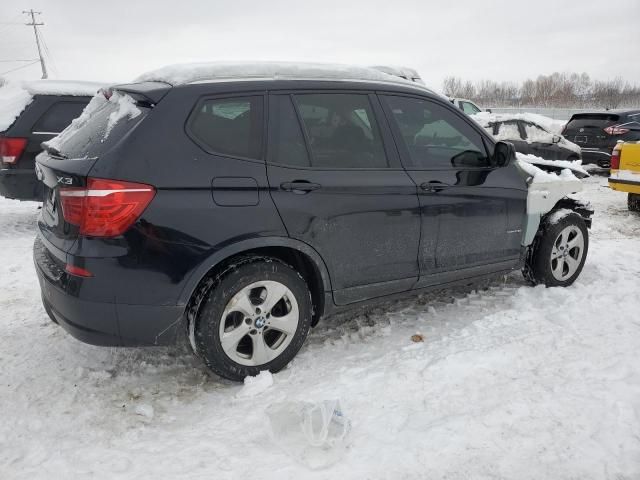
(433,186)
(299,186)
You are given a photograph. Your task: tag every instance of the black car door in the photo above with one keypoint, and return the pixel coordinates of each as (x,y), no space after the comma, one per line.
(472,212)
(340,188)
(541,142)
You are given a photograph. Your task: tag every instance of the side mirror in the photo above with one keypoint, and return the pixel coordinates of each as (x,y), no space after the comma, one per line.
(557,138)
(489,110)
(503,154)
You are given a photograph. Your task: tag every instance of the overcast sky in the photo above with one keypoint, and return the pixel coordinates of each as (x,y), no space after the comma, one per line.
(501,40)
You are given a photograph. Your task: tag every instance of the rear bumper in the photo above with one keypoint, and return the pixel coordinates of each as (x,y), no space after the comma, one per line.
(20,184)
(628,186)
(101,323)
(602,158)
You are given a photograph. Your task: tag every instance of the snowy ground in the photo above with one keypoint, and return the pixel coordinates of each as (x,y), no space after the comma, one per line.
(511,382)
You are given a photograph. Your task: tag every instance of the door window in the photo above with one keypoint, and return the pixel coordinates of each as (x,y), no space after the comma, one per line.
(508,131)
(434,136)
(229,126)
(536,134)
(469,108)
(58,117)
(341,130)
(286,145)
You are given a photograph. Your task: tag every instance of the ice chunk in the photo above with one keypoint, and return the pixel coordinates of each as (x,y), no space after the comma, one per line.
(314,434)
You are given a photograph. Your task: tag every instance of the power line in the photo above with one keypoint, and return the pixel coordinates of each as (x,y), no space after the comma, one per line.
(35,26)
(20,67)
(12,61)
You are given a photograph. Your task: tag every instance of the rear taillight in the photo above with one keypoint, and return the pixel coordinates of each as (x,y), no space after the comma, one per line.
(105,208)
(616,130)
(11,148)
(615,158)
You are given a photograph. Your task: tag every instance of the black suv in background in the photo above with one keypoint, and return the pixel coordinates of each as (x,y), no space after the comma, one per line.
(244,209)
(42,109)
(598,132)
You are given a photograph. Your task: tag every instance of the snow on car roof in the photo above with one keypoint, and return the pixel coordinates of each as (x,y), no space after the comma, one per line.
(63,87)
(15,96)
(181,74)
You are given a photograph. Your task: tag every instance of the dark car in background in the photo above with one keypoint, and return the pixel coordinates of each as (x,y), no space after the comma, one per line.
(31,114)
(598,132)
(243,209)
(529,137)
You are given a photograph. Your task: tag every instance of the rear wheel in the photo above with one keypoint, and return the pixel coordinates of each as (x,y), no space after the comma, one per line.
(558,255)
(255,317)
(633,202)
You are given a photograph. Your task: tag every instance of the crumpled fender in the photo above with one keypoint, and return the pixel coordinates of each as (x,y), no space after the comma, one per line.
(542,197)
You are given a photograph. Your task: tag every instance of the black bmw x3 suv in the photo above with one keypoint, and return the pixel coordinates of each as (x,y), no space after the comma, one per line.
(242,210)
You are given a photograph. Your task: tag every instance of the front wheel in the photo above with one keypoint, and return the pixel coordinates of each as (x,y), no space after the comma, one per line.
(255,317)
(558,255)
(633,202)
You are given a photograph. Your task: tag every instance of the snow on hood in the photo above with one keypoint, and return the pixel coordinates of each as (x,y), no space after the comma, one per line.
(555,165)
(181,74)
(13,100)
(538,175)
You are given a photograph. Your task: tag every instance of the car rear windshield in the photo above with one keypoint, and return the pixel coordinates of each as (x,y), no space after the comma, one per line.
(102,124)
(592,120)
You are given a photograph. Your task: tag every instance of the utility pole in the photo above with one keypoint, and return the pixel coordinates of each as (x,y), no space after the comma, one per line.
(35,26)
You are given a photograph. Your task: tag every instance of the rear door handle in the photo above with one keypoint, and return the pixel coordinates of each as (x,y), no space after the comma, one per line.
(299,186)
(433,186)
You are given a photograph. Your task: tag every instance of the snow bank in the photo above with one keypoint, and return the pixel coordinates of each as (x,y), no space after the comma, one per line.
(180,74)
(13,100)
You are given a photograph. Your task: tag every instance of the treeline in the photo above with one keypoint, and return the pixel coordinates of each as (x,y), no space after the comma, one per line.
(564,90)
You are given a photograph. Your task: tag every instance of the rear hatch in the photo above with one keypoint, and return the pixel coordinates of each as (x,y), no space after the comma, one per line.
(64,165)
(588,130)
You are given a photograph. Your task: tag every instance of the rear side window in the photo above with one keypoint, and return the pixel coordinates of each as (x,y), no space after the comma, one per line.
(342,131)
(58,117)
(102,124)
(229,126)
(434,136)
(507,131)
(286,145)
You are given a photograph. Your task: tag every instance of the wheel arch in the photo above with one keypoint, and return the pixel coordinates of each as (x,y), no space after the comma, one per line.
(298,255)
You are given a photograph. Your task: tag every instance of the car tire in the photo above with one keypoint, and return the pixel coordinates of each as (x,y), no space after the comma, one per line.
(558,253)
(633,202)
(255,316)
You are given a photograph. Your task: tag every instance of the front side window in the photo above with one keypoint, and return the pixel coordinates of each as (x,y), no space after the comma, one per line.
(229,126)
(469,108)
(536,134)
(341,130)
(434,136)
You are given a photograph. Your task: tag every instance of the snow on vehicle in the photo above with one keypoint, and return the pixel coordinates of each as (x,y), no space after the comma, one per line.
(31,113)
(530,134)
